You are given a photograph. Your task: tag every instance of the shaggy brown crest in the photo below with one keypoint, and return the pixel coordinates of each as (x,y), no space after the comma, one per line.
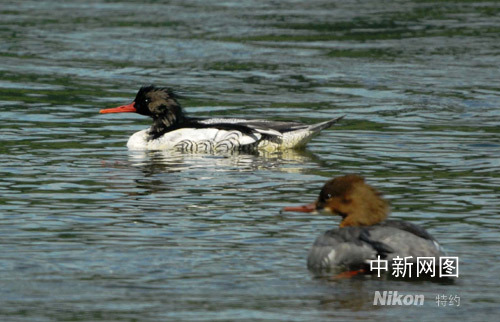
(358,203)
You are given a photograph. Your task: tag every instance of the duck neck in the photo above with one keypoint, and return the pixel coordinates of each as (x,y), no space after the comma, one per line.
(371,209)
(166,122)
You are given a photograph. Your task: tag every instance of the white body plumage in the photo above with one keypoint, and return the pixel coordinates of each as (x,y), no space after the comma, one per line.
(207,140)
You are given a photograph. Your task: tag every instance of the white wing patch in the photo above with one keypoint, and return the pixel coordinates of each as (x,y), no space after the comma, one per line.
(221,120)
(267,131)
(250,124)
(328,259)
(331,256)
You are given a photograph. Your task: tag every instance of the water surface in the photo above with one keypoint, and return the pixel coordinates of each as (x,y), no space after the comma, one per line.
(92,231)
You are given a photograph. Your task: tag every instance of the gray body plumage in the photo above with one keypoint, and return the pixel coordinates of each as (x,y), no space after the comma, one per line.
(352,248)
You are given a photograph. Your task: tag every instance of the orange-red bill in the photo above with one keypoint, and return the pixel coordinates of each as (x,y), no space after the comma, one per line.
(305,208)
(130,108)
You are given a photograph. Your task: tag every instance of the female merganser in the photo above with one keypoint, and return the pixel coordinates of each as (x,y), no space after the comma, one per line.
(364,232)
(172,129)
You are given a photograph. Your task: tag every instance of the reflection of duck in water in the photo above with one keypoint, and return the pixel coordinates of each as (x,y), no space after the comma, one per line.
(364,231)
(161,161)
(172,129)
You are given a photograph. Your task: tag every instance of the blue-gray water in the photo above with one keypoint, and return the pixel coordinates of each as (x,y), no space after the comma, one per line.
(91,231)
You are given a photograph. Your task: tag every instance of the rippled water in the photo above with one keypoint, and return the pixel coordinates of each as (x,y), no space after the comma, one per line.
(91,231)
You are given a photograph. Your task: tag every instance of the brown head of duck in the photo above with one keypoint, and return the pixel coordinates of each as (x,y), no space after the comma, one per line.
(350,197)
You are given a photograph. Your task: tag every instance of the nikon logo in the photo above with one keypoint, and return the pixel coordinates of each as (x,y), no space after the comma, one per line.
(393,298)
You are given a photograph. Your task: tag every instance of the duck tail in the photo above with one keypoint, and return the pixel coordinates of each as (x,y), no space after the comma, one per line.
(316,128)
(299,138)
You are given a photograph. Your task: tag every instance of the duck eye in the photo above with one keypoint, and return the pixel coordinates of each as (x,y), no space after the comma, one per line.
(147,100)
(325,197)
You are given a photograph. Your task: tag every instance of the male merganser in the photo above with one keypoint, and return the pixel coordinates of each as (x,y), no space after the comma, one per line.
(172,129)
(364,232)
